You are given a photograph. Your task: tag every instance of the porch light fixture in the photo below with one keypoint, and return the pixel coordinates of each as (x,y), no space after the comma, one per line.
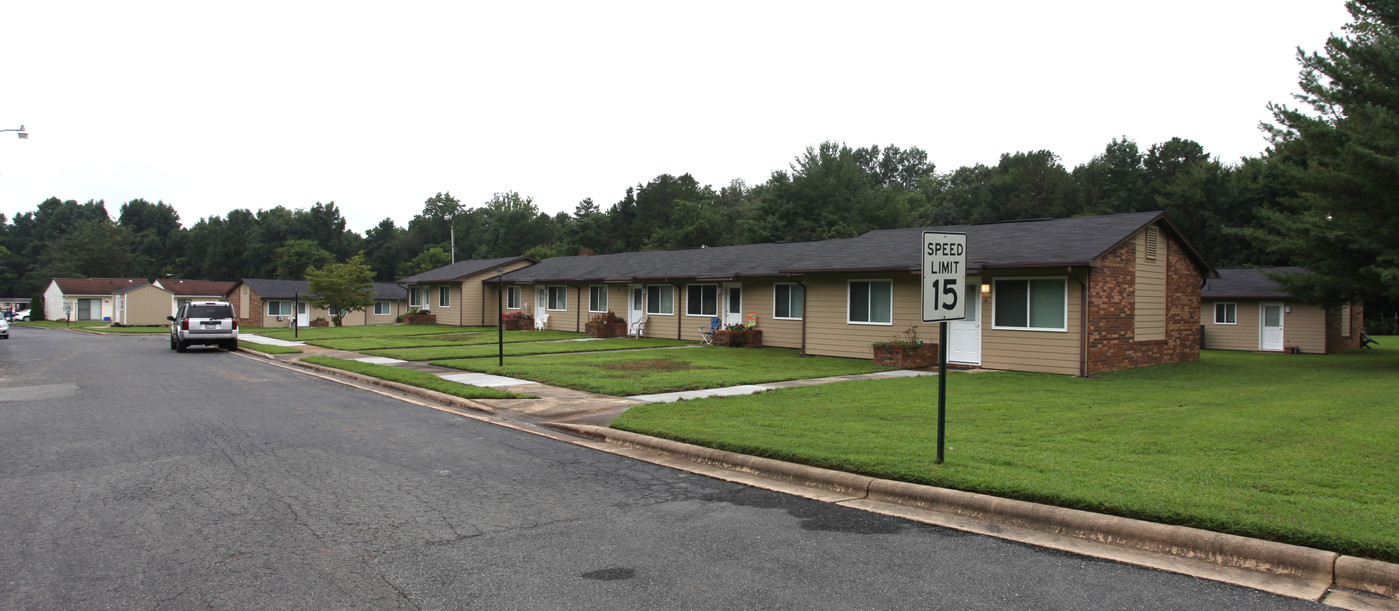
(985,289)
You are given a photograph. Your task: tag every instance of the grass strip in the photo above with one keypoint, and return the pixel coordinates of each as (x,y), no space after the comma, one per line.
(319,333)
(526,348)
(645,372)
(1292,448)
(414,378)
(469,338)
(268,348)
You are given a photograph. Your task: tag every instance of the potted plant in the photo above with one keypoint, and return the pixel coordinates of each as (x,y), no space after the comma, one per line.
(906,351)
(739,336)
(419,317)
(517,321)
(605,325)
(320,321)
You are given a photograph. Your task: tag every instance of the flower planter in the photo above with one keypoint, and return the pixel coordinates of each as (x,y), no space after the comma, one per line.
(419,319)
(517,324)
(752,338)
(320,323)
(614,329)
(906,356)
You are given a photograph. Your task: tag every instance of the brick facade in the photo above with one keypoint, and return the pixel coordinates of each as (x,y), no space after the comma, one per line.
(1112,345)
(1336,341)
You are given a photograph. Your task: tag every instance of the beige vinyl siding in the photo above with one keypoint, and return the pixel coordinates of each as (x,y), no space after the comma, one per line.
(1243,335)
(758,297)
(1305,327)
(1025,350)
(828,333)
(478,297)
(1150,323)
(147,305)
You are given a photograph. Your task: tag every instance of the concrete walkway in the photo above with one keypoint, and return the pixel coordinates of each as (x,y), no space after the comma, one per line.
(262,339)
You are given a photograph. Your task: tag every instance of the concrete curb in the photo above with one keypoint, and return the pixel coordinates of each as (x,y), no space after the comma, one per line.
(1302,571)
(403,388)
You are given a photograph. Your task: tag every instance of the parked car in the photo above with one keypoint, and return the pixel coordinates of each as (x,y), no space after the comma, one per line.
(4,329)
(20,315)
(208,323)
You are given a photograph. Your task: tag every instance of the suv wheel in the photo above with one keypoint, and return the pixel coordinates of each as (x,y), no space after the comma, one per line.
(232,345)
(180,346)
(172,342)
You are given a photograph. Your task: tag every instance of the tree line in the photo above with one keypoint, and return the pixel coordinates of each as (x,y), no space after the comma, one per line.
(1322,195)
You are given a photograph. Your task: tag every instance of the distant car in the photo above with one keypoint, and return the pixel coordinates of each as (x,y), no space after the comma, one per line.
(20,315)
(4,329)
(208,323)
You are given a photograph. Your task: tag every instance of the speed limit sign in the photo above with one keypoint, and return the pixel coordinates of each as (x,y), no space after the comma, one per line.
(944,276)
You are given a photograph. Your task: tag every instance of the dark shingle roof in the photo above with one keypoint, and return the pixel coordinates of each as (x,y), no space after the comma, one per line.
(1246,282)
(461,269)
(1045,242)
(196,287)
(95,286)
(268,288)
(131,287)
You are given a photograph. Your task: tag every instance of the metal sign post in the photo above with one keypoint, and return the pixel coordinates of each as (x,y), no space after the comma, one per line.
(944,298)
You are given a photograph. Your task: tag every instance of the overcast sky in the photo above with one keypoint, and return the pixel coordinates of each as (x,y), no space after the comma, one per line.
(377,106)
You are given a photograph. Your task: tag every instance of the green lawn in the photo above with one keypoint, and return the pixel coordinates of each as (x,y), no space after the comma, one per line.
(467,337)
(1294,448)
(414,378)
(635,373)
(319,333)
(525,348)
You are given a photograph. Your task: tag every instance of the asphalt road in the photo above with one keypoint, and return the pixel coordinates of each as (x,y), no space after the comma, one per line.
(135,477)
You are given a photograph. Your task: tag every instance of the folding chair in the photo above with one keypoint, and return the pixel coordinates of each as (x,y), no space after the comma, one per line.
(541,322)
(637,327)
(708,334)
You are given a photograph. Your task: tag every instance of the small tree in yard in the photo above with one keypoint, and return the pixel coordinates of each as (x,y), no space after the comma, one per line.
(341,288)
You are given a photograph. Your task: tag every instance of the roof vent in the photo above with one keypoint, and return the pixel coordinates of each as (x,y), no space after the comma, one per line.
(1153,236)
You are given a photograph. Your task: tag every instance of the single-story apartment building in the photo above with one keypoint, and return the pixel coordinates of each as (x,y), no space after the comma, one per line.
(185,291)
(140,305)
(463,293)
(1077,296)
(85,298)
(1244,309)
(262,302)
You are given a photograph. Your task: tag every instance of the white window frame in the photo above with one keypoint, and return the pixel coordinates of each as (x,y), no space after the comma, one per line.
(996,292)
(870,281)
(561,291)
(444,296)
(513,297)
(387,308)
(1232,309)
(283,302)
(797,315)
(659,287)
(415,294)
(597,298)
(701,287)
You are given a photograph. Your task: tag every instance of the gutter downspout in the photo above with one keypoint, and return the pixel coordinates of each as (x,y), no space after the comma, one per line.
(578,309)
(678,323)
(483,300)
(461,304)
(1083,324)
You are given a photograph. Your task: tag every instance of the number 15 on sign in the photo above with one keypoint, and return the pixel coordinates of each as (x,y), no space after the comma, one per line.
(944,276)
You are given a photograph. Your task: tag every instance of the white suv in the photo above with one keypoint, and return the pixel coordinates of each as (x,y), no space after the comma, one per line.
(210,323)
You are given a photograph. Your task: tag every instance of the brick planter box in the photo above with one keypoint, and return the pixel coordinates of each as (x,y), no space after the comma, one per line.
(614,329)
(419,319)
(739,339)
(906,356)
(320,323)
(517,324)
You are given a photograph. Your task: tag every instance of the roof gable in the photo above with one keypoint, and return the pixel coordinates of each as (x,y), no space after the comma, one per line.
(461,269)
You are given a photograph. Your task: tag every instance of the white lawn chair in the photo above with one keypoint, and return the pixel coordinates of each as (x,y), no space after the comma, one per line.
(541,322)
(637,327)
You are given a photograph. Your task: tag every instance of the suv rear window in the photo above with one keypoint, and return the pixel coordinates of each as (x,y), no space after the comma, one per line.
(209,311)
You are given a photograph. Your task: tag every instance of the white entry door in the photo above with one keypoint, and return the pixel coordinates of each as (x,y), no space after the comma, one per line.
(303,316)
(733,303)
(964,336)
(541,304)
(1270,327)
(636,303)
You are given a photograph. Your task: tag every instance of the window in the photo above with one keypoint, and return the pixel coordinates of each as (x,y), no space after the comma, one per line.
(415,297)
(871,302)
(702,300)
(558,298)
(660,299)
(382,308)
(1226,313)
(1039,304)
(444,296)
(787,301)
(279,308)
(512,297)
(597,298)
